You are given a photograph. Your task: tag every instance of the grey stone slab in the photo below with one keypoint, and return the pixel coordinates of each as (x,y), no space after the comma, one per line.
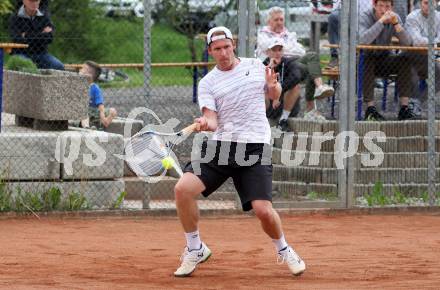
(300,125)
(100,194)
(303,174)
(330,126)
(28,155)
(118,126)
(330,176)
(411,144)
(96,156)
(363,127)
(392,128)
(52,95)
(414,128)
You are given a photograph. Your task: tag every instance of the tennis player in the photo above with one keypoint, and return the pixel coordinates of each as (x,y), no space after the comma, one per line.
(232,102)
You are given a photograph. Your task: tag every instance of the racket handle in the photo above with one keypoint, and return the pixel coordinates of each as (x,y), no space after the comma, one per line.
(191,128)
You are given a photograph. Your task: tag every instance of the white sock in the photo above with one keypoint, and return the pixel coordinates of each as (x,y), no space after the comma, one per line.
(281,243)
(285,115)
(193,241)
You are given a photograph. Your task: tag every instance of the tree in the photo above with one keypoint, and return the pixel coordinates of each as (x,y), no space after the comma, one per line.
(76,30)
(5,7)
(191,20)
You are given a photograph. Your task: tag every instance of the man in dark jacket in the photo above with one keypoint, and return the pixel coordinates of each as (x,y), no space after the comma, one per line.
(33,27)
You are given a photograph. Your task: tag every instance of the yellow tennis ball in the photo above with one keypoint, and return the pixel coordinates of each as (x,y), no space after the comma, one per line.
(168,162)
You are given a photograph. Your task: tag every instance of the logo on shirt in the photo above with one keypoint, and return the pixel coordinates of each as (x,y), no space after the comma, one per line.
(247,73)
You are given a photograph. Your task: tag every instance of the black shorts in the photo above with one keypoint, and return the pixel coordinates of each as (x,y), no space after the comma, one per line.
(252,181)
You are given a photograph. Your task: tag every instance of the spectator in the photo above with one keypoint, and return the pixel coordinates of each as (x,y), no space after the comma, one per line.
(33,27)
(98,115)
(377,26)
(417,26)
(292,48)
(290,76)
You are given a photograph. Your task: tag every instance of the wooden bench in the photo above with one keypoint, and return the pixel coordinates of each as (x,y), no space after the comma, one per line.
(140,66)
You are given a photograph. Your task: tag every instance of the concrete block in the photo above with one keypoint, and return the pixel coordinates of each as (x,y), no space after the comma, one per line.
(411,144)
(99,194)
(330,126)
(28,155)
(329,176)
(89,154)
(118,126)
(414,128)
(300,125)
(51,95)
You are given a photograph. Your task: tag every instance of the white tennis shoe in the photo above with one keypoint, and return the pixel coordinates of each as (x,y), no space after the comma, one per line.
(190,259)
(323,91)
(293,261)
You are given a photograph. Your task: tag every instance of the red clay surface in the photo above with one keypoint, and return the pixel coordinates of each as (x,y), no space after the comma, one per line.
(341,252)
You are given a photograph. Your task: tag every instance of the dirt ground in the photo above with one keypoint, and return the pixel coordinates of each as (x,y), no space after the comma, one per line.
(341,252)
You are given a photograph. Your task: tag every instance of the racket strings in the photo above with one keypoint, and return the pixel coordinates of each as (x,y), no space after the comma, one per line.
(148,152)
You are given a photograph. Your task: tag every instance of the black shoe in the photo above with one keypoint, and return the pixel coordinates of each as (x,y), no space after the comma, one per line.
(406,113)
(371,114)
(283,125)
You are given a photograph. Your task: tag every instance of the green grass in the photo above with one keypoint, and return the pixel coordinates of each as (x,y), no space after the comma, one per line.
(123,41)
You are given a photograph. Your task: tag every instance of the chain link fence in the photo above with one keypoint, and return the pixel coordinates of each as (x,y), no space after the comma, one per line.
(152,55)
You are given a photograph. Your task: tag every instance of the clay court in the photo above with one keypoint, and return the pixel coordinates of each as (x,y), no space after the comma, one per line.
(383,251)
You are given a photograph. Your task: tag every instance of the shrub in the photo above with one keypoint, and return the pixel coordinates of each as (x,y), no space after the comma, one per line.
(18,63)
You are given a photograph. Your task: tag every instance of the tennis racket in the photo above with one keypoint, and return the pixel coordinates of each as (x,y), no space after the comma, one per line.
(145,151)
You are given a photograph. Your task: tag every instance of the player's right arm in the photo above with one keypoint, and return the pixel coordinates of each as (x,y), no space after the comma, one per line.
(208,122)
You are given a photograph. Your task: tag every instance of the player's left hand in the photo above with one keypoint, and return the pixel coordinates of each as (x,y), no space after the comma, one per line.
(271,77)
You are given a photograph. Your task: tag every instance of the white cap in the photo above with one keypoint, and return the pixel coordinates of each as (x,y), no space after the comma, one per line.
(227,34)
(275,41)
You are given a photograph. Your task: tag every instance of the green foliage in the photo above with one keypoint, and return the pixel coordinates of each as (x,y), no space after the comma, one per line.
(75,201)
(322,195)
(399,197)
(5,197)
(28,201)
(51,199)
(424,196)
(119,200)
(377,197)
(77,34)
(21,64)
(5,7)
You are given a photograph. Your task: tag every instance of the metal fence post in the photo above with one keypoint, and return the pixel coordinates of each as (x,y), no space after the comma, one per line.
(346,93)
(251,39)
(431,106)
(242,27)
(147,47)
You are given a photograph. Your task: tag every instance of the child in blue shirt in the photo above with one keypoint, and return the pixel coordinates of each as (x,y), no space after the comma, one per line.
(98,115)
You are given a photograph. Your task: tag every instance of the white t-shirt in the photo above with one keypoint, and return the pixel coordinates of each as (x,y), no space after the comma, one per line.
(237,96)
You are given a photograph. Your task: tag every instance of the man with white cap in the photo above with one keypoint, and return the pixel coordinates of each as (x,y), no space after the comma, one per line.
(290,75)
(232,101)
(315,88)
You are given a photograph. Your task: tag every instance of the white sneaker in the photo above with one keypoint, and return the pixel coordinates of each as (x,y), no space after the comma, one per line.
(314,115)
(294,262)
(190,259)
(323,91)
